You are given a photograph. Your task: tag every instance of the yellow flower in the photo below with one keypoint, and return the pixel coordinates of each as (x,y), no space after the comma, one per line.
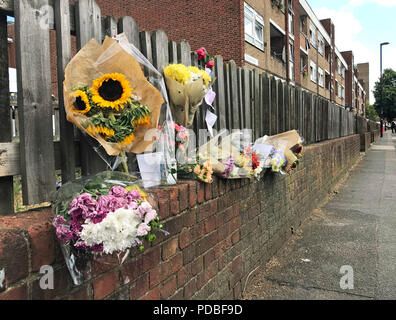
(197,169)
(80,102)
(127,141)
(183,74)
(104,132)
(111,91)
(204,75)
(144,121)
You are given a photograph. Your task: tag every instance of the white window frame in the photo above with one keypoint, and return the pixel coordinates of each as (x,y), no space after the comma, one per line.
(313,71)
(320,44)
(255,19)
(321,77)
(312,36)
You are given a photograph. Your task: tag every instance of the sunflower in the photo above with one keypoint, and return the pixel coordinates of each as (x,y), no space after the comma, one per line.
(80,102)
(111,91)
(143,121)
(104,132)
(128,140)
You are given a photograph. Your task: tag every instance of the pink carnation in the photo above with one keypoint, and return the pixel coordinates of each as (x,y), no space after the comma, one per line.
(143,230)
(150,216)
(118,191)
(64,234)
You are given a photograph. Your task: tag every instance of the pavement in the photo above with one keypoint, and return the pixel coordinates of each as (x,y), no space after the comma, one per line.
(346,250)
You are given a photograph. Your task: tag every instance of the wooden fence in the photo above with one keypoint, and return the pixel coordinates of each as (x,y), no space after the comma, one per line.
(245,98)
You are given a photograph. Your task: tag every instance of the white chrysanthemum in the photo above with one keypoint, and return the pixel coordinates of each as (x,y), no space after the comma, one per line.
(117,232)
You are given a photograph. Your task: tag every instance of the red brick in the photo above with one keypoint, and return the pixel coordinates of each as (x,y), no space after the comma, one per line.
(13,256)
(190,217)
(17,293)
(186,238)
(190,289)
(140,287)
(178,295)
(197,266)
(153,294)
(235,237)
(201,192)
(155,276)
(174,200)
(104,263)
(131,270)
(210,224)
(168,288)
(206,210)
(42,244)
(169,248)
(183,194)
(164,211)
(182,277)
(151,258)
(192,193)
(105,285)
(208,258)
(82,293)
(208,191)
(171,266)
(62,286)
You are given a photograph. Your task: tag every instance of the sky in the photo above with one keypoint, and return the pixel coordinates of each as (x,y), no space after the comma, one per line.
(360,26)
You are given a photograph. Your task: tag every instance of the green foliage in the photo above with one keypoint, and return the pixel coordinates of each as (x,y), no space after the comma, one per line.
(371,113)
(385,95)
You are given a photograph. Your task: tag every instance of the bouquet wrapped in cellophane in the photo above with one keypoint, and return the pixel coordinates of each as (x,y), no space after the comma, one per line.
(284,150)
(230,158)
(102,214)
(187,88)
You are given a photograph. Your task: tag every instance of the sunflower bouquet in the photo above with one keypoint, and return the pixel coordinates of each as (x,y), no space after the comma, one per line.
(108,97)
(187,88)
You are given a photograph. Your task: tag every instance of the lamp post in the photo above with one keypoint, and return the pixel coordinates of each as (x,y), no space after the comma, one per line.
(382,44)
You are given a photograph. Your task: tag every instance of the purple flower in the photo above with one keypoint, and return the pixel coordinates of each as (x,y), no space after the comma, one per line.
(97,216)
(118,191)
(133,196)
(58,221)
(150,216)
(144,208)
(143,230)
(229,167)
(80,246)
(96,248)
(82,206)
(83,246)
(64,234)
(133,205)
(111,203)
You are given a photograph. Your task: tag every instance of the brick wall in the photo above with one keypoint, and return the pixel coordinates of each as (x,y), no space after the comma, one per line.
(219,233)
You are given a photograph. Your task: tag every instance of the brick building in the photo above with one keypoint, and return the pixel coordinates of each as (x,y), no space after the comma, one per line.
(286,40)
(364,78)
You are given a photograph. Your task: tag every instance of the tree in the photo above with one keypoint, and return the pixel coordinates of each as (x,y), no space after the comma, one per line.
(385,95)
(371,113)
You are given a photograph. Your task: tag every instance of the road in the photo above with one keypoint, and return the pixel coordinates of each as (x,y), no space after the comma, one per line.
(354,232)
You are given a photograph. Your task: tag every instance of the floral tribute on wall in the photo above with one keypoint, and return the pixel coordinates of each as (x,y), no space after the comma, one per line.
(102,214)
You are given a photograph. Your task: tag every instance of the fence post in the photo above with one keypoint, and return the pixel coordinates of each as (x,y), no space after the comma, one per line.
(129,26)
(6,183)
(219,88)
(266,104)
(281,107)
(287,107)
(274,106)
(88,26)
(63,46)
(34,101)
(246,96)
(233,107)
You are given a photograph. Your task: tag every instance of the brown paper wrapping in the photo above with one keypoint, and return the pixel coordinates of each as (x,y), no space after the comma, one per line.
(85,67)
(291,159)
(185,100)
(291,138)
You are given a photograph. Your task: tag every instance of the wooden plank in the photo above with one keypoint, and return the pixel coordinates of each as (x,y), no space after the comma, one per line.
(34,101)
(11,158)
(292,108)
(266,104)
(219,88)
(256,110)
(6,183)
(64,55)
(325,117)
(297,106)
(172,47)
(89,26)
(129,26)
(240,99)
(281,106)
(274,106)
(184,53)
(286,100)
(308,116)
(227,96)
(199,116)
(109,27)
(246,97)
(234,103)
(160,48)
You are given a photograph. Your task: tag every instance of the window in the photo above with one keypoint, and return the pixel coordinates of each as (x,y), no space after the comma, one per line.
(321,77)
(291,24)
(339,66)
(291,58)
(277,41)
(312,70)
(303,24)
(312,35)
(336,88)
(320,44)
(254,28)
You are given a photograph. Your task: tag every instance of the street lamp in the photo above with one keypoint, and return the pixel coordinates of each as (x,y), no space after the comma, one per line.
(382,44)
